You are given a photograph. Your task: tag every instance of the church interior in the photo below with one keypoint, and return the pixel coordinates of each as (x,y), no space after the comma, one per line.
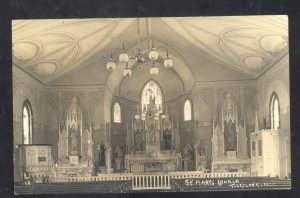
(148,103)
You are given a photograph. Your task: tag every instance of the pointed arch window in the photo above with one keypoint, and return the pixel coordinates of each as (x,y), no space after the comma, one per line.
(117,113)
(27,118)
(152,93)
(187,110)
(275,112)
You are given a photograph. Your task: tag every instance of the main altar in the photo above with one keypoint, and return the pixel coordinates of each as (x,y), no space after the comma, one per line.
(153,143)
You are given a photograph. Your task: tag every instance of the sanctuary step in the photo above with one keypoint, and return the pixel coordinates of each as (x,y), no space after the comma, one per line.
(70,188)
(222,184)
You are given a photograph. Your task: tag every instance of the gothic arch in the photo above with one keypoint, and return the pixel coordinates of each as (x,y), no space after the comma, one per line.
(81,107)
(221,103)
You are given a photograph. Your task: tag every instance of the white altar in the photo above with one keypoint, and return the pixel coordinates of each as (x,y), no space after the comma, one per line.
(151,143)
(229,142)
(75,145)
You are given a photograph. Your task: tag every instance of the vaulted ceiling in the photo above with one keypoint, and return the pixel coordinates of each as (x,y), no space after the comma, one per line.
(75,51)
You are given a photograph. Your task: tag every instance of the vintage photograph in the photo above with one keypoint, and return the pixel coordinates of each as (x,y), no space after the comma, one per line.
(161,104)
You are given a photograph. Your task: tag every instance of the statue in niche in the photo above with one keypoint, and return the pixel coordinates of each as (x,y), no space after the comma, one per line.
(202,149)
(101,152)
(230,135)
(74,144)
(167,139)
(118,152)
(138,140)
(187,149)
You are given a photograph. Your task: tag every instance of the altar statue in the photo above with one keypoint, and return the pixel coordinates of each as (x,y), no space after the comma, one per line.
(118,152)
(74,143)
(167,139)
(101,151)
(138,141)
(202,149)
(187,149)
(230,136)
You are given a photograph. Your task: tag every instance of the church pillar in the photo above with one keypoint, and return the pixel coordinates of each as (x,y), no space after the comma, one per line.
(108,151)
(196,156)
(109,169)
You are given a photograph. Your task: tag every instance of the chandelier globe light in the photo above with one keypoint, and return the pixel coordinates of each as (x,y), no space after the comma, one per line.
(168,62)
(153,54)
(127,71)
(154,70)
(123,57)
(111,65)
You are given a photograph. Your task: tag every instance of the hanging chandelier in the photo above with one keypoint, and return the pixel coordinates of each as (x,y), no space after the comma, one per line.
(139,56)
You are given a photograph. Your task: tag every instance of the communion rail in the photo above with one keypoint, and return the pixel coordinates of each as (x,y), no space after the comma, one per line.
(148,181)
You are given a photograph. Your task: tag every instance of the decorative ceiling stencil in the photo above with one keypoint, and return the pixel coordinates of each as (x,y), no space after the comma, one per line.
(51,48)
(248,45)
(245,43)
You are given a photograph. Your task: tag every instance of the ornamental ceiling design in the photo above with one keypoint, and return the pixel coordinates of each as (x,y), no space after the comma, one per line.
(249,45)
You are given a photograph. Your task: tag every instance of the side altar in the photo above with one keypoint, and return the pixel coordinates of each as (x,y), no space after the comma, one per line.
(151,141)
(229,142)
(75,145)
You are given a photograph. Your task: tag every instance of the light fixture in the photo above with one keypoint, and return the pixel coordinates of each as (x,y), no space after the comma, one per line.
(139,56)
(153,54)
(123,57)
(111,65)
(154,70)
(127,71)
(168,62)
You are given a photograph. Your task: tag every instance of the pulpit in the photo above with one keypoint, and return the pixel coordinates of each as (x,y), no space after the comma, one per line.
(36,162)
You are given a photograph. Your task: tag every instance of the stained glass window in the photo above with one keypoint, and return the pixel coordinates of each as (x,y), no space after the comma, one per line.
(27,123)
(152,93)
(187,111)
(117,113)
(275,114)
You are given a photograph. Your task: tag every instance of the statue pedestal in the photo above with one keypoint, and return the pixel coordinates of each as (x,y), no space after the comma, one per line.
(73,159)
(119,161)
(187,162)
(102,169)
(231,154)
